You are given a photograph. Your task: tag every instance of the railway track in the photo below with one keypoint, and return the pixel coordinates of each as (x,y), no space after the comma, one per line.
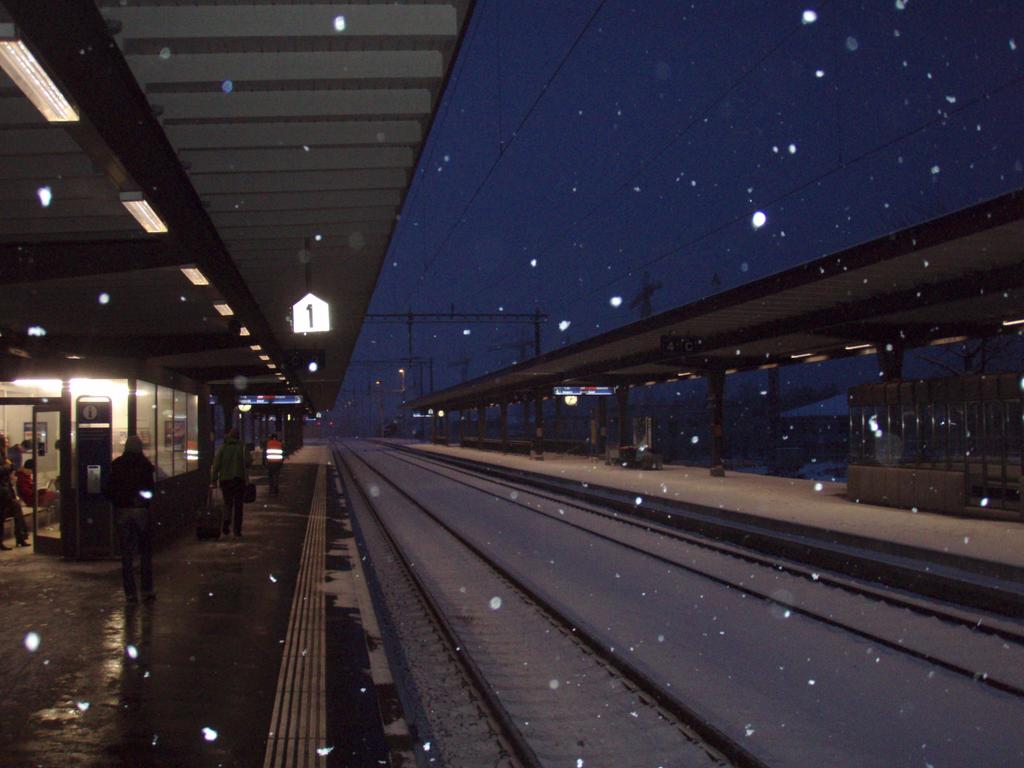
(504,653)
(538,502)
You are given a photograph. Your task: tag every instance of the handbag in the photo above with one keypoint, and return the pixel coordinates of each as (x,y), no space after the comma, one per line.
(249,495)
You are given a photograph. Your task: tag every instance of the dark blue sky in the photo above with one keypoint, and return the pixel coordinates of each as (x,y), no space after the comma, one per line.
(605,139)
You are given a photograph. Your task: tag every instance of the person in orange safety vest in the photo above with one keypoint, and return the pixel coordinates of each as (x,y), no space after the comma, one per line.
(274,457)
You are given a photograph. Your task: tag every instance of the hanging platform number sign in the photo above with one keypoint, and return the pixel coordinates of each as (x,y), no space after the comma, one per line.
(311,314)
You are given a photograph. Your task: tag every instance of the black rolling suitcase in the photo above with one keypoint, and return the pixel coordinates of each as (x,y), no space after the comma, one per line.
(209,518)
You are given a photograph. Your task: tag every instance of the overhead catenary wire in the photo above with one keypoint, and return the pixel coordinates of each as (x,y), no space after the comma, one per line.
(633,175)
(504,150)
(744,216)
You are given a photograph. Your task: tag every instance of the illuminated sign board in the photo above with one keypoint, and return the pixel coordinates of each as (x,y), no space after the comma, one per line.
(419,413)
(560,391)
(270,399)
(311,314)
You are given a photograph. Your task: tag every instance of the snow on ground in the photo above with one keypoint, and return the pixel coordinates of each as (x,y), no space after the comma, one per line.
(781,498)
(793,690)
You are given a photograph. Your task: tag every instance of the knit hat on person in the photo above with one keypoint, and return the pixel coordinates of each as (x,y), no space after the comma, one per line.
(133,444)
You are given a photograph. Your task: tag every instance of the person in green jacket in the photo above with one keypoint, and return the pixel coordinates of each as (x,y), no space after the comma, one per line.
(230,468)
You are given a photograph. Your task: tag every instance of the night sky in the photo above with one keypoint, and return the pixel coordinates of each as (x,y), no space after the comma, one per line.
(580,144)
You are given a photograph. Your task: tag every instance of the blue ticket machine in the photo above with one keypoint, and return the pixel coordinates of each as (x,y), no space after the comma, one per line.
(93,449)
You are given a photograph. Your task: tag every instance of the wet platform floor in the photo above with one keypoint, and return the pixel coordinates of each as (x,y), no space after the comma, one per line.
(189,679)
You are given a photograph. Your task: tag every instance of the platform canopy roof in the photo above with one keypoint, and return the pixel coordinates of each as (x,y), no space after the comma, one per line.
(275,139)
(961,275)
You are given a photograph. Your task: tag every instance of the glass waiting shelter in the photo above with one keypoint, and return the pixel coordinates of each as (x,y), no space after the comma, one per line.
(64,431)
(940,444)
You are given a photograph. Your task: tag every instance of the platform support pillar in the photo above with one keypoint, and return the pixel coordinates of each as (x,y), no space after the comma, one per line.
(433,427)
(602,426)
(556,429)
(774,421)
(462,427)
(481,425)
(716,402)
(538,426)
(445,427)
(504,426)
(622,396)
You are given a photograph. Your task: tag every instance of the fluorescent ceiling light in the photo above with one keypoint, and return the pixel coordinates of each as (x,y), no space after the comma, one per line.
(21,66)
(802,354)
(948,340)
(255,347)
(1014,322)
(224,309)
(195,275)
(243,331)
(264,358)
(856,346)
(271,366)
(143,213)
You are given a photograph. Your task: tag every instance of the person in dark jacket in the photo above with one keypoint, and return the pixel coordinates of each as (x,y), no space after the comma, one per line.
(230,467)
(130,489)
(9,506)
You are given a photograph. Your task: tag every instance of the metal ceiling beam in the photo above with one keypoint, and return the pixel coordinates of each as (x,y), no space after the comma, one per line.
(168,23)
(287,65)
(301,201)
(250,184)
(53,260)
(257,104)
(143,346)
(130,143)
(295,159)
(294,134)
(221,373)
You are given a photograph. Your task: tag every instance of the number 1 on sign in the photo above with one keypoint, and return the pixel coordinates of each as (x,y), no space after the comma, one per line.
(309,308)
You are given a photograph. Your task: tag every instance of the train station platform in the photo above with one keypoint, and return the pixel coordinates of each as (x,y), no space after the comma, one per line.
(804,510)
(255,651)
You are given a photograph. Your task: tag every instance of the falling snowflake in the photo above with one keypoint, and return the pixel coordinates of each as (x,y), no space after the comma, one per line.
(83,706)
(227,86)
(533,262)
(615,301)
(553,684)
(495,603)
(339,24)
(45,195)
(638,500)
(103,298)
(324,751)
(132,651)
(564,325)
(758,220)
(209,734)
(809,16)
(466,332)
(32,642)
(818,487)
(852,44)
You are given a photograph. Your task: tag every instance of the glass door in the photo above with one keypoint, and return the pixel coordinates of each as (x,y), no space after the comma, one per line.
(46,503)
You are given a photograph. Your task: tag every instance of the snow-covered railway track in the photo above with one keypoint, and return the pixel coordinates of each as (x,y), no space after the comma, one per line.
(785,585)
(557,692)
(792,688)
